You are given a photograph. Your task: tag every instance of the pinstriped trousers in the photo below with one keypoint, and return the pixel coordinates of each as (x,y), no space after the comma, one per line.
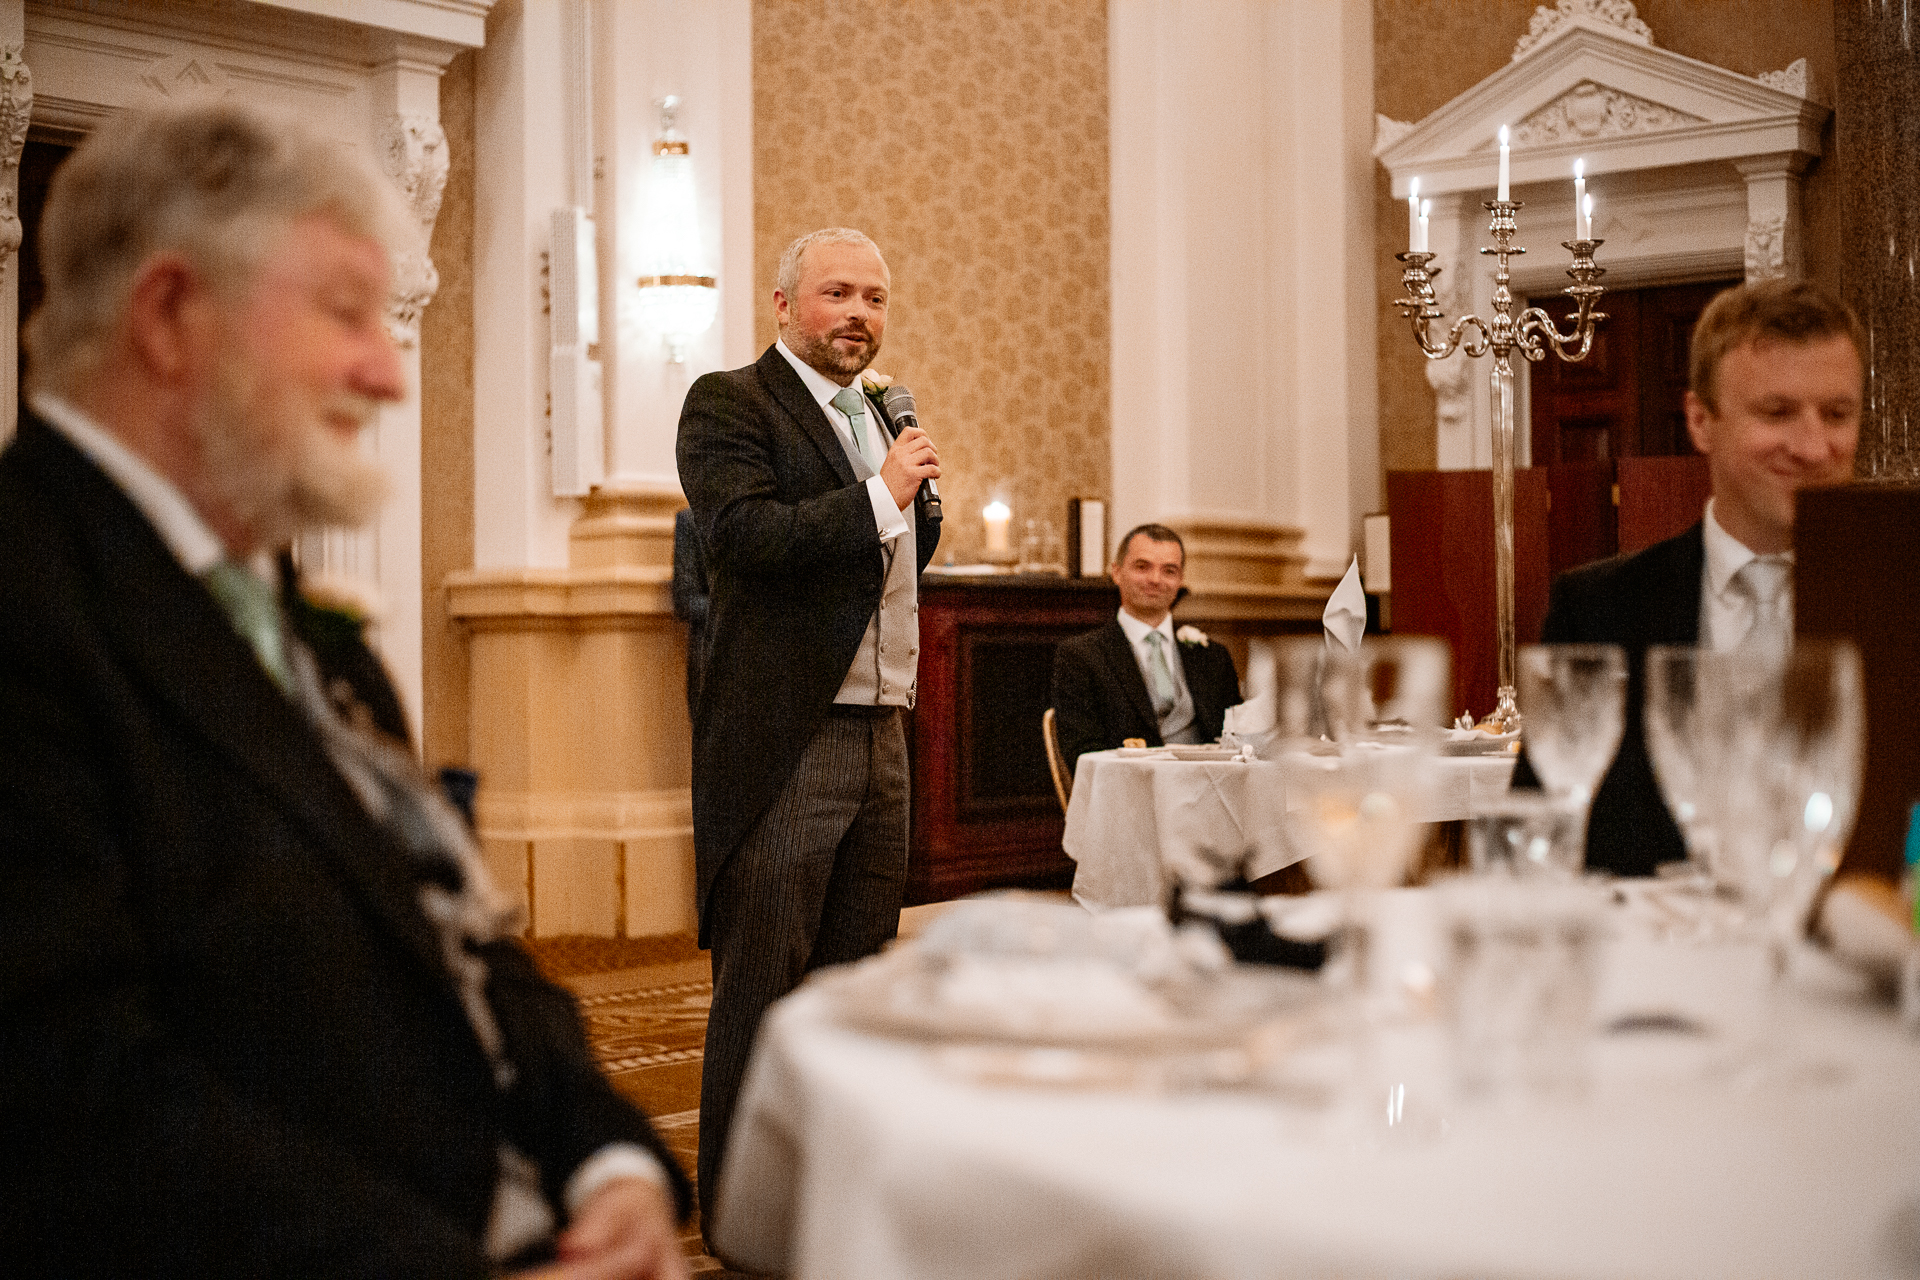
(817,881)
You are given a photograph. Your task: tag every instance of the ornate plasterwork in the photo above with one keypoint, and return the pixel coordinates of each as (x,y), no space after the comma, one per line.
(185,76)
(1618,14)
(1766,248)
(413,150)
(1792,80)
(1589,110)
(1452,378)
(16,110)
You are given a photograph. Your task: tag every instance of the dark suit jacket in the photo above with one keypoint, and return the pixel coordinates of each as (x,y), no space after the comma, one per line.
(1100,698)
(1649,598)
(229,1044)
(690,598)
(794,561)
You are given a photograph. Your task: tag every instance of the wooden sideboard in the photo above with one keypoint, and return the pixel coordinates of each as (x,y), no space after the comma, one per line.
(984,812)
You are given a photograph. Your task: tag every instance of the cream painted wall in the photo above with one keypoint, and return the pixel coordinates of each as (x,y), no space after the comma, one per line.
(1242,208)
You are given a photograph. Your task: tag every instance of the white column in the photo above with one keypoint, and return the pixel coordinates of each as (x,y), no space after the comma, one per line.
(1243,331)
(1773,240)
(519,128)
(703,53)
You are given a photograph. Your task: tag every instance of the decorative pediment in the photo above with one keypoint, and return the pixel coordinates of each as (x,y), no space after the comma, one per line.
(1591,89)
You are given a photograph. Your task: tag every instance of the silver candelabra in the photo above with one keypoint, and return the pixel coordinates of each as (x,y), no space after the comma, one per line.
(1532,332)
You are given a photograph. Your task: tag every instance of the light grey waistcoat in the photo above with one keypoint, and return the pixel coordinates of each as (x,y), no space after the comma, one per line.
(884,669)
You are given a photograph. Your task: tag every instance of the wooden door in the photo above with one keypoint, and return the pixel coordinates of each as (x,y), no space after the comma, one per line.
(1625,400)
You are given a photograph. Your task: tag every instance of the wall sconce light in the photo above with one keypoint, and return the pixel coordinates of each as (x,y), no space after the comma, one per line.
(677,295)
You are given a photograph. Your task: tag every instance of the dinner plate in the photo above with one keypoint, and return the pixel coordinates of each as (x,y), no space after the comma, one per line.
(1019,1001)
(1213,752)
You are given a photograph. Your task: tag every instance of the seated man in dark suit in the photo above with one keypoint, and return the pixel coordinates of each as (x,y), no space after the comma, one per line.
(262,1011)
(1136,677)
(1774,401)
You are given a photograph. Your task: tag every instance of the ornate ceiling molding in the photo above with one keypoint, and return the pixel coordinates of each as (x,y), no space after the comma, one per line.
(1618,15)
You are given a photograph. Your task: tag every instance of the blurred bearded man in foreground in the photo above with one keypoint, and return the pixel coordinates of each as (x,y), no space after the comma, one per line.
(261,1011)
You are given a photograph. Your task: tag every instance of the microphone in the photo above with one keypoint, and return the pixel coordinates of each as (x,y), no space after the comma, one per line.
(898,402)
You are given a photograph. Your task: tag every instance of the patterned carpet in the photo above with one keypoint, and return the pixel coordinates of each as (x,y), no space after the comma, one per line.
(645,1004)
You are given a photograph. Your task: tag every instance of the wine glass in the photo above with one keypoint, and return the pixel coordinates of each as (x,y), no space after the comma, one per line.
(1678,745)
(1785,744)
(1575,696)
(1360,736)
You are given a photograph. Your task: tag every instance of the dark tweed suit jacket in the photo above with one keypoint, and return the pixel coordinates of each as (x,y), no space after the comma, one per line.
(229,1044)
(1652,597)
(795,567)
(1100,698)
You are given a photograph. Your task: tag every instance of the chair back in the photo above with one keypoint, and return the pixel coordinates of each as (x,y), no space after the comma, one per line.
(1062,776)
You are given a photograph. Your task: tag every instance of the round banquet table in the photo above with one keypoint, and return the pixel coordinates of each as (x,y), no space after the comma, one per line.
(1132,819)
(859,1155)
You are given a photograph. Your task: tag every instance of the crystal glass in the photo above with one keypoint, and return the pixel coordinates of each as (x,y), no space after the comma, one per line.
(1357,739)
(1678,745)
(1574,697)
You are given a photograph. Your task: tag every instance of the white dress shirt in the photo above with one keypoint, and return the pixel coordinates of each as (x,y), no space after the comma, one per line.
(891,521)
(1177,725)
(1726,612)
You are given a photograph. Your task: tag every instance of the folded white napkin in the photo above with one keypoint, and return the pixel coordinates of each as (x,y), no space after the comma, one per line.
(1252,717)
(1346,614)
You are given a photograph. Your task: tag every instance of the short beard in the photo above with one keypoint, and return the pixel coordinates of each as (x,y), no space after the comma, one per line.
(822,355)
(275,464)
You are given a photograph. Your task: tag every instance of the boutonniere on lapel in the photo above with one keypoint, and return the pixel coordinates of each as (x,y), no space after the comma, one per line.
(1193,636)
(875,385)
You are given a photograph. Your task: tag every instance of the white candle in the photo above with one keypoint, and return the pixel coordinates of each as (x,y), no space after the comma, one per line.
(1426,207)
(1580,224)
(1586,217)
(1413,220)
(996,515)
(1502,195)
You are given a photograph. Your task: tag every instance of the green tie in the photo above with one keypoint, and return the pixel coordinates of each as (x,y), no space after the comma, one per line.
(854,405)
(1164,693)
(255,614)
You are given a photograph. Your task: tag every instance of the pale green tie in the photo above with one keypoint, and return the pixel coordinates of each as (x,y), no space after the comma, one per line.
(850,402)
(1767,583)
(255,614)
(1160,675)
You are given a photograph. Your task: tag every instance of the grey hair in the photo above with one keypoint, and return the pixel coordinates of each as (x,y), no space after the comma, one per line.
(217,183)
(787,278)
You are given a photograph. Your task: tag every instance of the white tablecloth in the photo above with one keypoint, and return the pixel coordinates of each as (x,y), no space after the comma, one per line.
(1132,817)
(859,1156)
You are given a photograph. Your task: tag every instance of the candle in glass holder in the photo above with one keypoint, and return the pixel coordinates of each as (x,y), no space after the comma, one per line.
(1502,195)
(1581,227)
(996,515)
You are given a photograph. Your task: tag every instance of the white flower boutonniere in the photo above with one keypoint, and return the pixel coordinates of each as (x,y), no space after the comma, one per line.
(875,383)
(1193,636)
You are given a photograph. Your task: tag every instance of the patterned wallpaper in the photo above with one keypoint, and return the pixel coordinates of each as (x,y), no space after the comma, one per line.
(969,139)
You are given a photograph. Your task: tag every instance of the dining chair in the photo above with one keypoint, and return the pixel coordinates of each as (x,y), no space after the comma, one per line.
(1056,763)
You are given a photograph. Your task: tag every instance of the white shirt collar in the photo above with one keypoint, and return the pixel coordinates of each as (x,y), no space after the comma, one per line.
(193,543)
(1137,630)
(1726,554)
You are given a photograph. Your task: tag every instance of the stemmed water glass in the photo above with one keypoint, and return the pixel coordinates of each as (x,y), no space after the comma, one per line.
(1575,697)
(1360,736)
(1760,755)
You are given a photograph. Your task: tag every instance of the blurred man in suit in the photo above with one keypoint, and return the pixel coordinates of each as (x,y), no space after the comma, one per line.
(1136,677)
(1773,401)
(261,1011)
(811,512)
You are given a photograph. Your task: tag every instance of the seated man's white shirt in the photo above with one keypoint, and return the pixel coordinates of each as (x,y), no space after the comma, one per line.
(887,517)
(1726,612)
(195,545)
(1177,725)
